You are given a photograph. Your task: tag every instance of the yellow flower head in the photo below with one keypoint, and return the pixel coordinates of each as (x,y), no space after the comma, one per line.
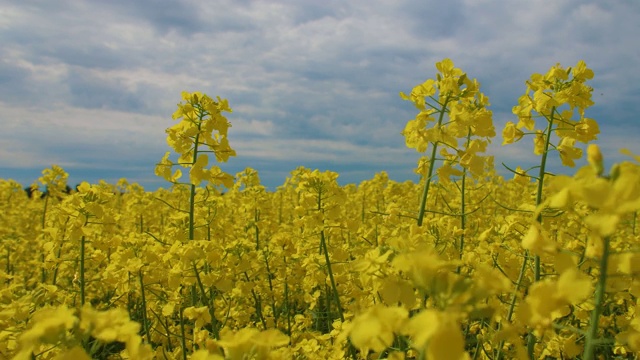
(594,157)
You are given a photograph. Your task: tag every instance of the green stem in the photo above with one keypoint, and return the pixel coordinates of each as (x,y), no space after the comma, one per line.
(276,313)
(280,208)
(463,215)
(42,256)
(257,300)
(192,203)
(8,264)
(541,175)
(167,328)
(590,340)
(82,281)
(323,244)
(325,250)
(192,194)
(432,160)
(512,305)
(362,212)
(183,338)
(462,220)
(536,272)
(55,271)
(256,218)
(145,323)
(209,303)
(536,259)
(286,301)
(58,255)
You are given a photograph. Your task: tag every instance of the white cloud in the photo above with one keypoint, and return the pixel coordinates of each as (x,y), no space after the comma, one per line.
(78,137)
(310,82)
(252,127)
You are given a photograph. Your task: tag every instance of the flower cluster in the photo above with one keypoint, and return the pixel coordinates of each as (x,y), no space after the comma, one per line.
(202,129)
(555,97)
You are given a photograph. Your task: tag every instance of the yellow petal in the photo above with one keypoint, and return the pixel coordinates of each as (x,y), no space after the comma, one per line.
(574,286)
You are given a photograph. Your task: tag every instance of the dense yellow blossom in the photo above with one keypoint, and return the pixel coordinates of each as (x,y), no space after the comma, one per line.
(464,264)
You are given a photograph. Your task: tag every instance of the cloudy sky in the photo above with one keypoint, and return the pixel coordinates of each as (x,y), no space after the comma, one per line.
(91,85)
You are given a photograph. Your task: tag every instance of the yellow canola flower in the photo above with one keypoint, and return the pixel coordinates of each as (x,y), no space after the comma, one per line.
(446,171)
(523,111)
(564,262)
(423,267)
(76,353)
(395,290)
(576,94)
(548,96)
(420,92)
(490,280)
(483,123)
(49,325)
(573,286)
(108,326)
(474,163)
(376,328)
(549,299)
(223,151)
(602,223)
(520,177)
(197,173)
(544,101)
(163,168)
(582,72)
(370,265)
(537,241)
(55,180)
(201,315)
(176,176)
(447,68)
(539,143)
(556,73)
(594,158)
(271,338)
(568,152)
(223,105)
(202,128)
(205,355)
(613,196)
(586,130)
(180,136)
(251,343)
(511,134)
(437,335)
(416,137)
(570,346)
(625,263)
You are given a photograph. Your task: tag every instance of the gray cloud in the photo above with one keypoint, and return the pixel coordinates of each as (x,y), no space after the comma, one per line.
(90,91)
(93,84)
